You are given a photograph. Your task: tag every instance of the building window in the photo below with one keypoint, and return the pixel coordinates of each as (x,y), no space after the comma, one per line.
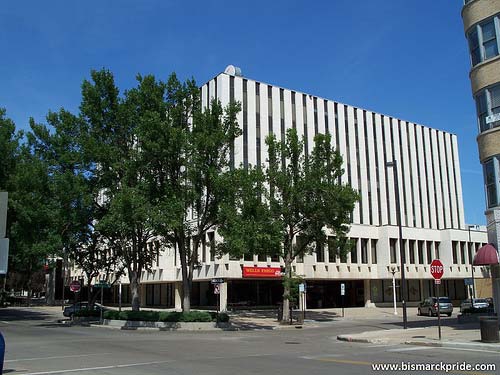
(364,251)
(211,241)
(332,251)
(374,251)
(354,251)
(475,52)
(454,250)
(490,47)
(420,259)
(490,176)
(392,246)
(483,41)
(320,254)
(488,108)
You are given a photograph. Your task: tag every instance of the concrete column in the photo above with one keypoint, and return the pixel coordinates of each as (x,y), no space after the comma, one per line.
(223,296)
(367,294)
(178,296)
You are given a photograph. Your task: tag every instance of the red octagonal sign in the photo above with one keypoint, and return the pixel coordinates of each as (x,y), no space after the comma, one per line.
(437,269)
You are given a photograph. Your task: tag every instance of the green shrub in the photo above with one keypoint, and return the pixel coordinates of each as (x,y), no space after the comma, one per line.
(223,318)
(196,316)
(146,316)
(170,316)
(111,314)
(166,316)
(87,313)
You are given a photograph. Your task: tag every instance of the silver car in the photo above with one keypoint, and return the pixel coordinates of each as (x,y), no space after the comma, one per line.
(429,306)
(475,303)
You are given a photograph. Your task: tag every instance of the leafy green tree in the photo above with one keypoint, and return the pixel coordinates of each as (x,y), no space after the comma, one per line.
(186,152)
(32,217)
(110,125)
(9,144)
(290,205)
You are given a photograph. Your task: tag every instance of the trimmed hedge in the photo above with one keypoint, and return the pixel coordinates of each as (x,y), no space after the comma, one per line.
(165,316)
(87,313)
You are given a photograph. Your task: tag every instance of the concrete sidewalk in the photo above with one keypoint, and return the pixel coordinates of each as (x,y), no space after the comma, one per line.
(465,336)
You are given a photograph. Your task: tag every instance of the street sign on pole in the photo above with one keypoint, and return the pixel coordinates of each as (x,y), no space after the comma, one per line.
(437,270)
(218,281)
(75,286)
(342,289)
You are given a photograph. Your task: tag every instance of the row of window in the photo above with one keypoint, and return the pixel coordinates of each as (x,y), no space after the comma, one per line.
(463,252)
(488,107)
(483,40)
(491,181)
(367,141)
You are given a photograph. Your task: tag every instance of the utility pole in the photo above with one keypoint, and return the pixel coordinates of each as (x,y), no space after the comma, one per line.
(394,165)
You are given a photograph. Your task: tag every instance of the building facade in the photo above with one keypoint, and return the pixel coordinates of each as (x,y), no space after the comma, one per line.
(481,20)
(431,206)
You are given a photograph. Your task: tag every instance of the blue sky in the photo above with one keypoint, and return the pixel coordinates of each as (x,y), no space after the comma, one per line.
(406,59)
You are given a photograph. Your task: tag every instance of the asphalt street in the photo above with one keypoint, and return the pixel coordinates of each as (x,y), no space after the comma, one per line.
(37,344)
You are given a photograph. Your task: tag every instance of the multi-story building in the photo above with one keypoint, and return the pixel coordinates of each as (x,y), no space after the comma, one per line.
(431,206)
(481,20)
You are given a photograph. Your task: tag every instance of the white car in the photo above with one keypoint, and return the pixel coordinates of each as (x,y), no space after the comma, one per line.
(475,303)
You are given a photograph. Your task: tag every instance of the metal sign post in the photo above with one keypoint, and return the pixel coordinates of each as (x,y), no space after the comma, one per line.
(217,293)
(342,293)
(437,271)
(438,282)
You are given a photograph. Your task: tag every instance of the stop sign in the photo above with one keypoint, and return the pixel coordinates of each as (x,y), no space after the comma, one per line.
(75,286)
(437,269)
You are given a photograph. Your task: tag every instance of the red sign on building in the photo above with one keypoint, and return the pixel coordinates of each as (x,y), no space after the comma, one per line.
(262,272)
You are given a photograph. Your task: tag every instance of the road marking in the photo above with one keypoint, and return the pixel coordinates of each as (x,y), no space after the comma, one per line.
(467,349)
(58,357)
(4,322)
(98,368)
(410,349)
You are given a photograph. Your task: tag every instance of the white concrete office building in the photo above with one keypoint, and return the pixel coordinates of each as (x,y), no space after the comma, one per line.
(431,205)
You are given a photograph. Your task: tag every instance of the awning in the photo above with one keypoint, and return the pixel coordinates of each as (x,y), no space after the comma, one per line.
(485,256)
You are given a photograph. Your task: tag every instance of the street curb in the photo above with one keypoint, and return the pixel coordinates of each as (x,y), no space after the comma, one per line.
(456,345)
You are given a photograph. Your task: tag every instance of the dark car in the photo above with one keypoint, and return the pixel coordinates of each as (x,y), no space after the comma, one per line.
(71,310)
(429,306)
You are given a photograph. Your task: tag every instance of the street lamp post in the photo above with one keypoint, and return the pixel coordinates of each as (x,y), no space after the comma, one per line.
(393,271)
(394,166)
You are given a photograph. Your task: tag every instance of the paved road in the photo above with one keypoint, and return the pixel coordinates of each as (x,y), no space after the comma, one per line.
(38,345)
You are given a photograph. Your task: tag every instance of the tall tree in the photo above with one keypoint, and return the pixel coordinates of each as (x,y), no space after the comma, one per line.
(112,149)
(291,206)
(32,217)
(9,144)
(186,153)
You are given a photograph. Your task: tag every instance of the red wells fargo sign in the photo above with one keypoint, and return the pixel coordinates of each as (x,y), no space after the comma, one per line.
(262,272)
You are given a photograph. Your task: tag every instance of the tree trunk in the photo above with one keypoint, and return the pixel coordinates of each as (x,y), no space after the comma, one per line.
(134,288)
(50,297)
(186,276)
(286,293)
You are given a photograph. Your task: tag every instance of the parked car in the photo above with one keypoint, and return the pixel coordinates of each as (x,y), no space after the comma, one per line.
(69,311)
(429,306)
(475,303)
